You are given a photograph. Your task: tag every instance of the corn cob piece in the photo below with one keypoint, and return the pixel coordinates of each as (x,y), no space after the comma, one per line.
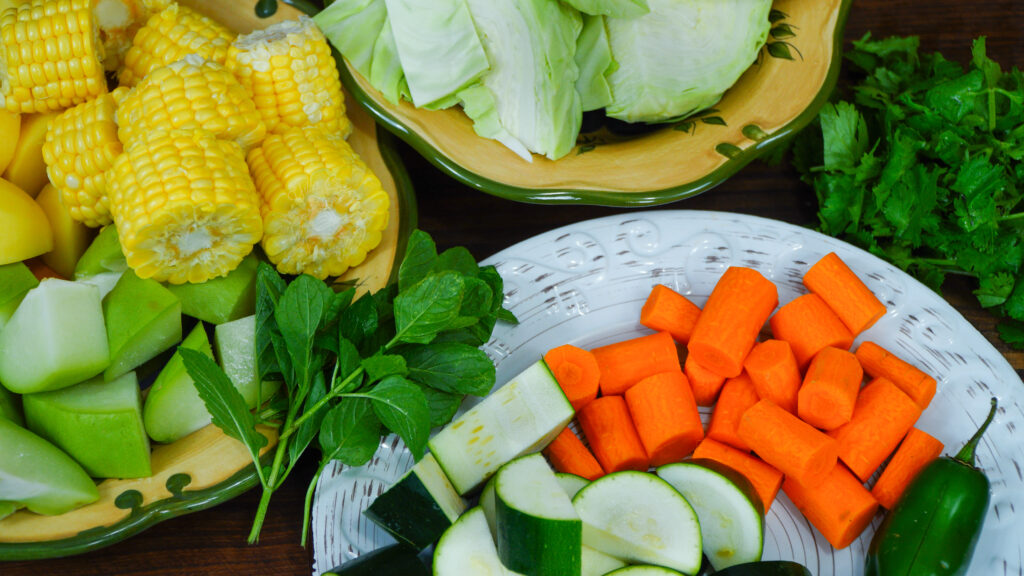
(323,208)
(191,94)
(118,21)
(81,145)
(170,35)
(184,206)
(289,70)
(50,56)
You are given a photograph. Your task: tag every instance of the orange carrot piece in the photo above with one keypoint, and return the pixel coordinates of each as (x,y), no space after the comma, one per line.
(669,311)
(609,428)
(576,371)
(793,446)
(838,505)
(915,452)
(809,325)
(881,418)
(705,384)
(772,367)
(665,415)
(568,454)
(738,395)
(766,479)
(845,293)
(625,363)
(830,389)
(879,362)
(731,320)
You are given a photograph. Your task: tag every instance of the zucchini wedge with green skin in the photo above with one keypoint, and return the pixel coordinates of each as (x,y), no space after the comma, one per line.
(393,559)
(539,532)
(730,512)
(640,518)
(418,508)
(597,563)
(466,548)
(770,568)
(487,503)
(521,417)
(571,483)
(641,570)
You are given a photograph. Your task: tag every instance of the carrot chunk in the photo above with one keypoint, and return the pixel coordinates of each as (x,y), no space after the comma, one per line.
(879,362)
(738,395)
(838,505)
(845,293)
(625,363)
(881,418)
(772,367)
(830,388)
(609,428)
(665,415)
(576,371)
(705,384)
(763,476)
(669,311)
(915,452)
(568,454)
(796,448)
(809,325)
(731,319)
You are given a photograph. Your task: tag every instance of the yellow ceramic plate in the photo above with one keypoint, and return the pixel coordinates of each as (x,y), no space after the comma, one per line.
(207,467)
(776,97)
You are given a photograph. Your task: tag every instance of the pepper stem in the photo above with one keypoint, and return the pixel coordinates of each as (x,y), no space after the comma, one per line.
(966,454)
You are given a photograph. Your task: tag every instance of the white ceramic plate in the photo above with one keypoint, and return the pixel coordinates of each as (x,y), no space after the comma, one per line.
(585,283)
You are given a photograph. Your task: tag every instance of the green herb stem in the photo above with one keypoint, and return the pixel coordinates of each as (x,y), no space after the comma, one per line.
(308,504)
(335,392)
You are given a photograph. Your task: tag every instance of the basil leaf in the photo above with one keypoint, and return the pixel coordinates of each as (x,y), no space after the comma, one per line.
(420,255)
(428,307)
(402,407)
(350,432)
(451,367)
(382,365)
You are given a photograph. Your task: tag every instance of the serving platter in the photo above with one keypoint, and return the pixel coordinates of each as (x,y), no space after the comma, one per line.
(584,284)
(780,93)
(208,467)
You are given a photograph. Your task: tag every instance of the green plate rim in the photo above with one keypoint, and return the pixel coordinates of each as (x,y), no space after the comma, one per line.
(195,500)
(602,197)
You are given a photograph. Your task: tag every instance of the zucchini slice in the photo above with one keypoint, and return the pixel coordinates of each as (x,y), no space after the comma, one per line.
(597,563)
(770,568)
(393,559)
(641,570)
(467,548)
(521,417)
(730,513)
(539,532)
(640,518)
(571,483)
(418,508)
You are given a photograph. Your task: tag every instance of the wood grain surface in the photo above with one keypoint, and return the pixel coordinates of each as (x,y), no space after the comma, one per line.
(213,541)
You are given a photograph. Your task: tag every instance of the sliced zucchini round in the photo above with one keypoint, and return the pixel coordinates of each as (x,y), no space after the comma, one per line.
(771,568)
(730,512)
(466,547)
(597,563)
(393,559)
(642,570)
(638,517)
(571,483)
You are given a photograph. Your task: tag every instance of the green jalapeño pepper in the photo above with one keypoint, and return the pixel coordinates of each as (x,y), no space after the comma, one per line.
(934,527)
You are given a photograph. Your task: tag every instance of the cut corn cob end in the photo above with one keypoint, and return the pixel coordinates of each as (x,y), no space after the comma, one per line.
(81,145)
(323,209)
(170,35)
(184,206)
(50,56)
(190,94)
(293,77)
(118,21)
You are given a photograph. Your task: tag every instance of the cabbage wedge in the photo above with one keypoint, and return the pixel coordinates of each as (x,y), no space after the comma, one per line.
(617,8)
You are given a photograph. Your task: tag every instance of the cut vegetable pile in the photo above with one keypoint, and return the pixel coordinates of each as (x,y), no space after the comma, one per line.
(791,412)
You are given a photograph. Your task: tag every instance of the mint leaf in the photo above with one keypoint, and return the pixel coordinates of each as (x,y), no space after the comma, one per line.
(478,298)
(443,405)
(224,403)
(269,286)
(402,407)
(428,307)
(451,367)
(457,259)
(382,365)
(359,321)
(300,311)
(307,430)
(348,357)
(350,432)
(420,255)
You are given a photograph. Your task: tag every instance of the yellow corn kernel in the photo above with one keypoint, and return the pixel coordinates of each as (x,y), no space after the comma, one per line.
(323,208)
(170,35)
(190,94)
(289,70)
(184,206)
(81,145)
(50,56)
(118,21)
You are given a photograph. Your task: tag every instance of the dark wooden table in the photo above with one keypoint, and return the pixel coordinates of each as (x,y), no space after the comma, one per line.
(213,541)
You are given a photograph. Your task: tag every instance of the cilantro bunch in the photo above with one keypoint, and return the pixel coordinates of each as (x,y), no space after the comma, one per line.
(923,168)
(399,360)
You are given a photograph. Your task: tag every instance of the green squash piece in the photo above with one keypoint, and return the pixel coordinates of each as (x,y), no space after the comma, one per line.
(56,338)
(173,408)
(97,423)
(103,261)
(38,475)
(10,406)
(235,343)
(15,281)
(143,319)
(223,299)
